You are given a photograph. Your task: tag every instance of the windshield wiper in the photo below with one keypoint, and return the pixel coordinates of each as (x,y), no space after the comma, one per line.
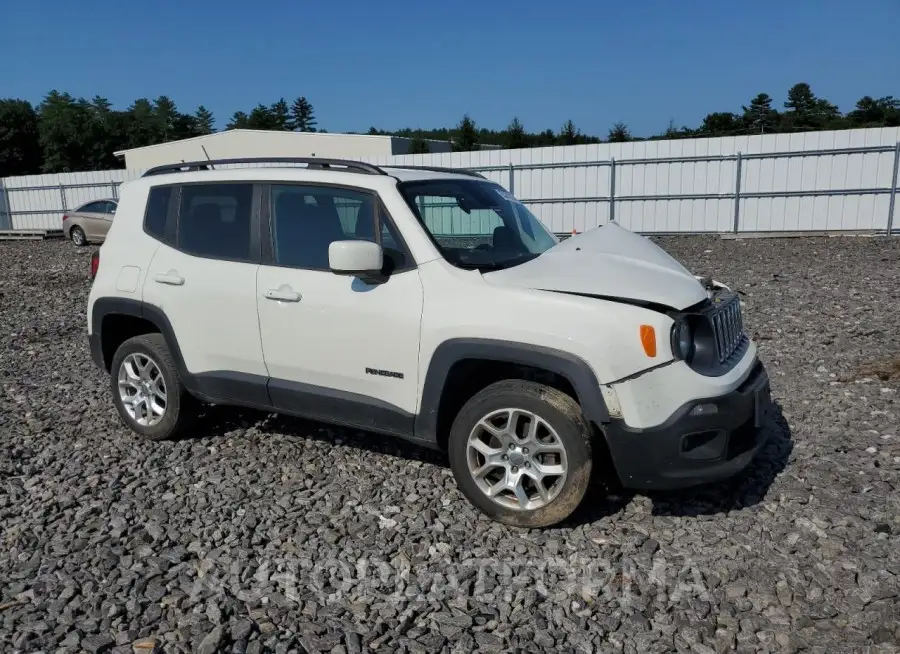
(498,265)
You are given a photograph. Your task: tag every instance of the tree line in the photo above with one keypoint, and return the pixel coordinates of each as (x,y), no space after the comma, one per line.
(64,133)
(802,111)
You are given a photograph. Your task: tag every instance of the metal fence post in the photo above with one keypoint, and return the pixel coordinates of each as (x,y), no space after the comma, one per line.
(737,194)
(115,190)
(62,196)
(892,203)
(612,190)
(5,211)
(512,179)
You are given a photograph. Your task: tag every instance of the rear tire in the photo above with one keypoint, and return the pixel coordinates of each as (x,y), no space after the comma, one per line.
(147,390)
(77,236)
(521,453)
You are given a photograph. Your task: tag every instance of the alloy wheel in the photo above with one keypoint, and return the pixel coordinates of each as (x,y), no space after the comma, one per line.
(517,459)
(142,389)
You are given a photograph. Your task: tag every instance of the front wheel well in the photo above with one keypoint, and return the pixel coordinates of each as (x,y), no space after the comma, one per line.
(116,328)
(469,376)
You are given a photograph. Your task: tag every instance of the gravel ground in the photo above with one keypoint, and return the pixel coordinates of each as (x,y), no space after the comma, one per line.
(269,534)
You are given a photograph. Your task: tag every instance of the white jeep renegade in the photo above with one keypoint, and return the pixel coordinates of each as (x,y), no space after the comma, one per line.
(428,304)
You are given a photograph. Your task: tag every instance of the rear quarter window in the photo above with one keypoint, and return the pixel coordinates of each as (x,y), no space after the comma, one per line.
(157,211)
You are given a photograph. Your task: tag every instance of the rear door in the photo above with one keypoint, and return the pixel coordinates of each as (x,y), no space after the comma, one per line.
(95,219)
(203,279)
(106,219)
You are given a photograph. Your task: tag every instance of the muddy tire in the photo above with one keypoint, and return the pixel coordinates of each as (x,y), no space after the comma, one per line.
(521,453)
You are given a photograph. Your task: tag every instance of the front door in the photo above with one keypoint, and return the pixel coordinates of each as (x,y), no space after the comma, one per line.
(336,347)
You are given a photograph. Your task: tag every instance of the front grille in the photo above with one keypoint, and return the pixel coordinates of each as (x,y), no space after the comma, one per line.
(728,327)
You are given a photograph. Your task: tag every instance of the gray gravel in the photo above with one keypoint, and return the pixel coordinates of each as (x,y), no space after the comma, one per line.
(269,534)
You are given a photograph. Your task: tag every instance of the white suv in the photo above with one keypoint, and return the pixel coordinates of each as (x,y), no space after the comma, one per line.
(428,304)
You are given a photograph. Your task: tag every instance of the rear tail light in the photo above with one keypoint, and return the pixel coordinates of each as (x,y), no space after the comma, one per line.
(65,217)
(95,264)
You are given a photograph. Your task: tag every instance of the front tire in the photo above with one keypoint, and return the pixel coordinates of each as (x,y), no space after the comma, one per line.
(77,235)
(521,453)
(147,390)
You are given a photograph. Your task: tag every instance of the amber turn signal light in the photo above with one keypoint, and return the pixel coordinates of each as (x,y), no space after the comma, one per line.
(648,340)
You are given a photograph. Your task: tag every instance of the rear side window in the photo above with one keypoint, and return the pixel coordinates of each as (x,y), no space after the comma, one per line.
(157,211)
(93,207)
(214,220)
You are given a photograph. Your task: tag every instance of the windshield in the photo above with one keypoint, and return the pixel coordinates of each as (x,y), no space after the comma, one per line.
(476,223)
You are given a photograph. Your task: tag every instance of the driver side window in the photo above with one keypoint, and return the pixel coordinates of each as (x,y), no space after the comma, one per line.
(305,220)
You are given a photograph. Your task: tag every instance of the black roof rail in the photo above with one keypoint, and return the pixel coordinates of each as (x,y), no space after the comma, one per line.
(311,162)
(438,169)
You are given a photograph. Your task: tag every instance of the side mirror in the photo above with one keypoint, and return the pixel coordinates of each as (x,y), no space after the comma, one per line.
(363,259)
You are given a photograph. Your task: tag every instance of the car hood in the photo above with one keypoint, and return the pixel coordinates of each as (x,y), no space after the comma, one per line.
(608,261)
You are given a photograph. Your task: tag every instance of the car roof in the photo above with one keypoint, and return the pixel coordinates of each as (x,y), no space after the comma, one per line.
(287,173)
(417,174)
(84,204)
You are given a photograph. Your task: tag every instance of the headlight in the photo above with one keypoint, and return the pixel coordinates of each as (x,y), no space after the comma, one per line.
(683,340)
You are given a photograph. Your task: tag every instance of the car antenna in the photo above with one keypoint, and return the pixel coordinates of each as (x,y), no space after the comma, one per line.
(208,158)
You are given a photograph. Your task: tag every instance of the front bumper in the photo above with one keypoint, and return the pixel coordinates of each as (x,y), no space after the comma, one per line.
(695,446)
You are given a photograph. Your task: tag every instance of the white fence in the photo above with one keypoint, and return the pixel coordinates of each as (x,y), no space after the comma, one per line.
(816,181)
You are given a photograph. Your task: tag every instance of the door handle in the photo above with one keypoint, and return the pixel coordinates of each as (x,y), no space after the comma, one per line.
(282,294)
(171,278)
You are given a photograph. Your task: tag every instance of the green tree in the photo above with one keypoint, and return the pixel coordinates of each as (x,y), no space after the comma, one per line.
(185,126)
(239,120)
(869,112)
(466,137)
(142,124)
(569,134)
(206,123)
(304,117)
(166,113)
(619,133)
(721,123)
(806,111)
(69,133)
(261,117)
(281,115)
(673,132)
(801,100)
(102,105)
(545,138)
(418,145)
(514,137)
(20,145)
(759,117)
(111,133)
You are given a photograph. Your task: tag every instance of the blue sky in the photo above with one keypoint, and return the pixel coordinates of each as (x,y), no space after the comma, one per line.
(423,63)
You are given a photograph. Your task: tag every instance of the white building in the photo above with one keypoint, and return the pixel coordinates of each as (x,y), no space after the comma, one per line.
(238,143)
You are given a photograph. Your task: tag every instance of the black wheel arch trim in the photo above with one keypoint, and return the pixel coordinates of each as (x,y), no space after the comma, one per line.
(562,363)
(107,306)
(258,391)
(248,390)
(236,388)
